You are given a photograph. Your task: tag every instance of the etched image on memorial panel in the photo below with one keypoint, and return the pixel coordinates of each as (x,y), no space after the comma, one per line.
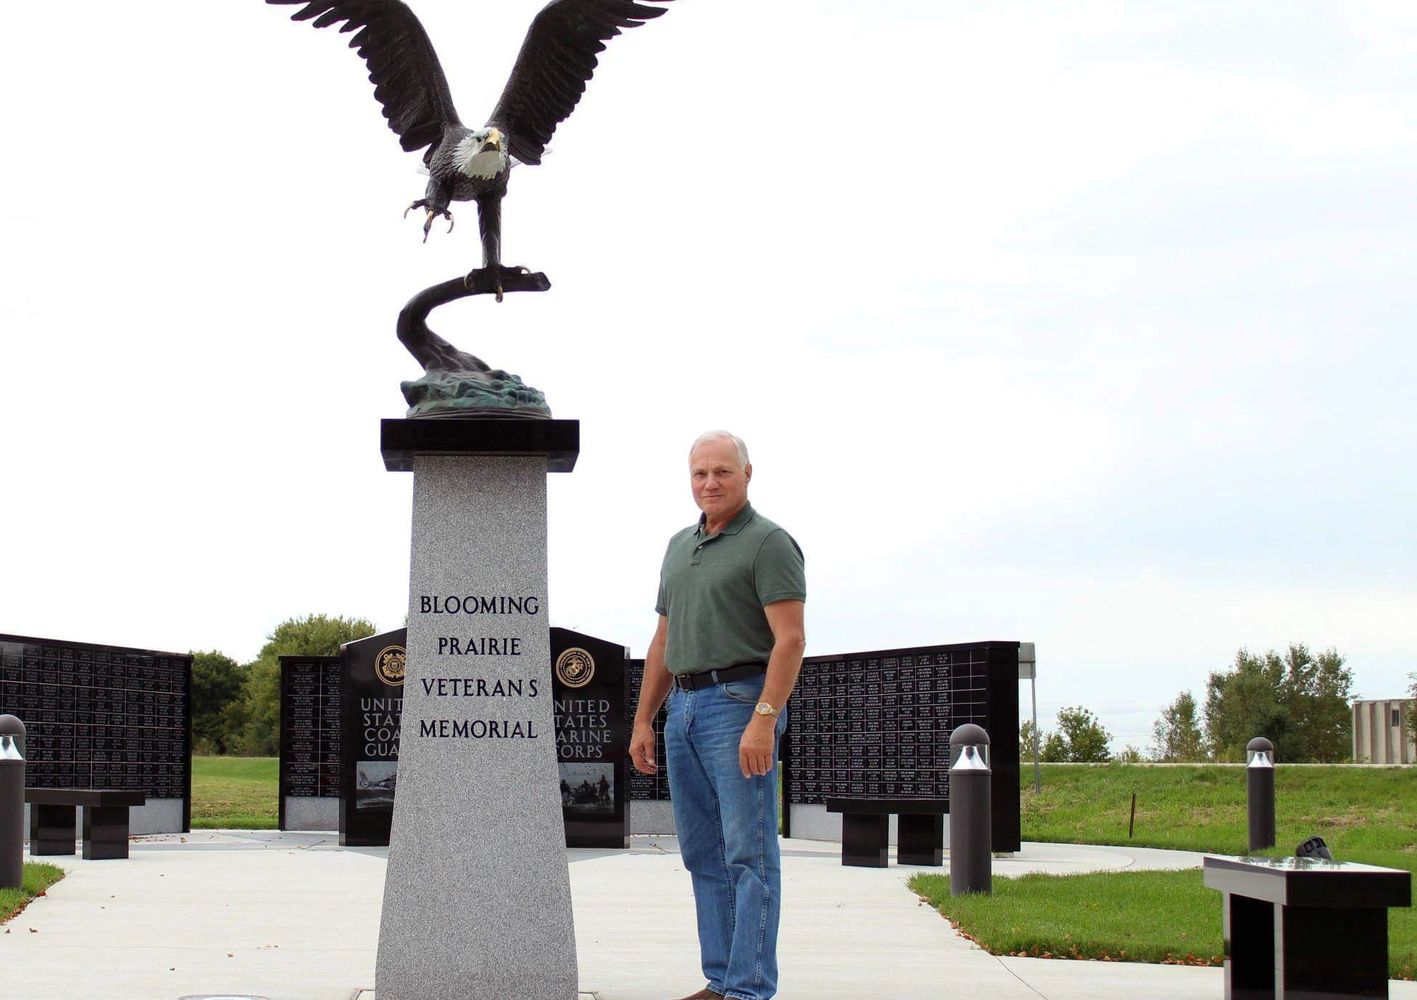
(588,788)
(374,784)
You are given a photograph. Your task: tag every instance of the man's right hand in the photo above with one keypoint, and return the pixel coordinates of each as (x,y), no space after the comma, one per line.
(642,748)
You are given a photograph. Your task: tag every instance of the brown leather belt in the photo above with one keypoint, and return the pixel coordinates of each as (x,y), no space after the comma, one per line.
(693,682)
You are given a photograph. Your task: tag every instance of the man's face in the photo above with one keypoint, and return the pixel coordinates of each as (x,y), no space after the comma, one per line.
(718,479)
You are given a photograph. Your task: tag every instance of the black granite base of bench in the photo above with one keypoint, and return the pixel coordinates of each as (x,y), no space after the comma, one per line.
(105,820)
(865,831)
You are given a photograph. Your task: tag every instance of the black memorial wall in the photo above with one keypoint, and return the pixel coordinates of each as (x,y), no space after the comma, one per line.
(339,722)
(645,787)
(588,679)
(101,716)
(309,728)
(371,708)
(869,724)
(877,725)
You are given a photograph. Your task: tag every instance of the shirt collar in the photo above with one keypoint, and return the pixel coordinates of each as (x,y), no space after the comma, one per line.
(732,527)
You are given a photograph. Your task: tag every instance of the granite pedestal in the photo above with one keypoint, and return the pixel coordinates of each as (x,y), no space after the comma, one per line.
(477,896)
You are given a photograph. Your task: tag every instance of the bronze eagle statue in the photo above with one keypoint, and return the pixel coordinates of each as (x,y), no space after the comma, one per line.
(466,164)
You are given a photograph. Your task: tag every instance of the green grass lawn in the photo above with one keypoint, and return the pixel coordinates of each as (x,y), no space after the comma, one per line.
(1368,811)
(1143,917)
(1365,814)
(35,880)
(235,793)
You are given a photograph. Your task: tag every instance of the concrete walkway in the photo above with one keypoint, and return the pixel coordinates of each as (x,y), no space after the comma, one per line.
(293,916)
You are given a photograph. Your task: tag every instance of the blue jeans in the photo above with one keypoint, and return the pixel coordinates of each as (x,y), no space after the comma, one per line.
(727,826)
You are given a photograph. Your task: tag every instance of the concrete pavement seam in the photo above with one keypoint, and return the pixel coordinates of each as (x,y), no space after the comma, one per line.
(1027,985)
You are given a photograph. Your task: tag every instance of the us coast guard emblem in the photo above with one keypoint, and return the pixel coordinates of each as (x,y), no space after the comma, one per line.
(575,667)
(389,665)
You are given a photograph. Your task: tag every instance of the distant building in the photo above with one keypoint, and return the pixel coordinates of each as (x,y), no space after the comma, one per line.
(1380,732)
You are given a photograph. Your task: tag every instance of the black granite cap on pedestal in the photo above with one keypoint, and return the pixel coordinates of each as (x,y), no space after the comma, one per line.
(558,440)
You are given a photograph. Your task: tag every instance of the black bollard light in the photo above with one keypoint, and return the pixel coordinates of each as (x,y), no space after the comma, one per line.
(12,804)
(1259,785)
(970,820)
(11,726)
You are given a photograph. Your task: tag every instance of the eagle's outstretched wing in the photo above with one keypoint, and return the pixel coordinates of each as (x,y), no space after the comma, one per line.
(408,80)
(556,60)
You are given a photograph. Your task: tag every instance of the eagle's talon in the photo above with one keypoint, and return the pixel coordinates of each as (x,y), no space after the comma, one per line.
(433,213)
(489,278)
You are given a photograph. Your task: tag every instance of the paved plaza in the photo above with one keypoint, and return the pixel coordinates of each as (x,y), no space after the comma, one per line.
(293,916)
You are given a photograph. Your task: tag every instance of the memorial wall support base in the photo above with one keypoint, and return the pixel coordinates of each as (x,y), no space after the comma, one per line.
(477,897)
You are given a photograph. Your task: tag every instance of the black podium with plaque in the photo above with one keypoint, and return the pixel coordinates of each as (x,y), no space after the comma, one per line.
(1303,927)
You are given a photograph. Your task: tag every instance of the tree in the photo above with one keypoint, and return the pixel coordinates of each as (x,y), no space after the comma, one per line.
(1079,738)
(1318,695)
(1298,701)
(1412,706)
(1027,740)
(217,680)
(1177,733)
(259,712)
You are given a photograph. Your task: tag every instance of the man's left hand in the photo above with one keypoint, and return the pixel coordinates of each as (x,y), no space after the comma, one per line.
(755,749)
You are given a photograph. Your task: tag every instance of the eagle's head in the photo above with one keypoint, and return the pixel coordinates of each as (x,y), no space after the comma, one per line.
(482,153)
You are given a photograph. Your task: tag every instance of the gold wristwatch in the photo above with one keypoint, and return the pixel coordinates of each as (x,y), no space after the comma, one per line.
(763,708)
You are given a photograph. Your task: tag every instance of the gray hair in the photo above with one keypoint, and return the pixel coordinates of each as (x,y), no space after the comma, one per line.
(708,436)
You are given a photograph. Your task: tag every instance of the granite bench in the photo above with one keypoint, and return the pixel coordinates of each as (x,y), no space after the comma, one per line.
(1304,927)
(865,830)
(105,820)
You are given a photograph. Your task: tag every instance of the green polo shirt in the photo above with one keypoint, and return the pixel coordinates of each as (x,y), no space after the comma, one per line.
(713,588)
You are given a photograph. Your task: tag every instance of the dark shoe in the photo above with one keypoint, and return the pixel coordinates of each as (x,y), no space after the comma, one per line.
(704,994)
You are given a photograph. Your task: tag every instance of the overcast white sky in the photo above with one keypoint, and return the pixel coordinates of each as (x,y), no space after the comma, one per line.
(1088,324)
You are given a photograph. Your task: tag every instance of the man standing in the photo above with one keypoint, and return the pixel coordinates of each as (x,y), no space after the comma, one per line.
(726,651)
